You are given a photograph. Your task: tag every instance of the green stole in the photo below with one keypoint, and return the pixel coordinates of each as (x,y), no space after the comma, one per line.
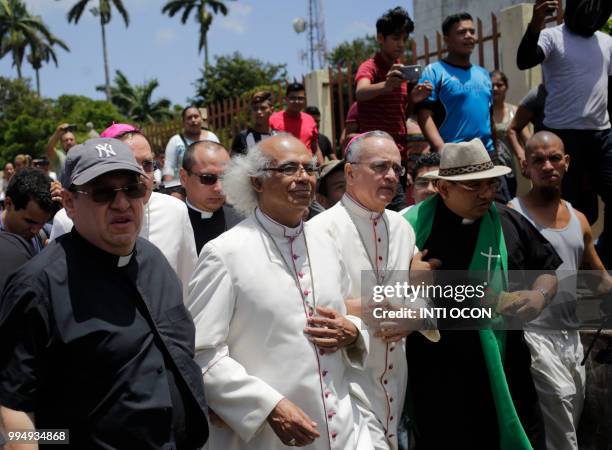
(490,242)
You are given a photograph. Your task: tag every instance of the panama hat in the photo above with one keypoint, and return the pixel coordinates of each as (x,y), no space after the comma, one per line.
(463,161)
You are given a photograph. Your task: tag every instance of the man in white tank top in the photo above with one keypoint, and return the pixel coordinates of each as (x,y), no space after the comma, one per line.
(556,350)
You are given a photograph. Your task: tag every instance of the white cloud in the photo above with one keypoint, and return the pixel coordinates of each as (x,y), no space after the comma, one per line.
(164,36)
(236,20)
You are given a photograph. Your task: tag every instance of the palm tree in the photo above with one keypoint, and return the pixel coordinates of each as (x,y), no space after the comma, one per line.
(135,102)
(203,17)
(43,53)
(103,10)
(18,30)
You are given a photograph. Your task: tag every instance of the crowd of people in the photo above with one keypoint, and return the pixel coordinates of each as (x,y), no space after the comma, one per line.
(221,298)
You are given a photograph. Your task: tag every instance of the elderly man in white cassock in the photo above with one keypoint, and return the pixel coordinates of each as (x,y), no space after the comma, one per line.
(267,298)
(378,245)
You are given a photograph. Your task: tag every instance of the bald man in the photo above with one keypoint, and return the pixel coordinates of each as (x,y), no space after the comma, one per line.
(203,166)
(553,339)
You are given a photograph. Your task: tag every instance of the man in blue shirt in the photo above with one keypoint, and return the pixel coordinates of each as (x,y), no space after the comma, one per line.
(459,107)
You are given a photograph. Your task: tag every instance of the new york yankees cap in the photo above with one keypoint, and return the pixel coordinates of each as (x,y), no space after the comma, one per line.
(96,157)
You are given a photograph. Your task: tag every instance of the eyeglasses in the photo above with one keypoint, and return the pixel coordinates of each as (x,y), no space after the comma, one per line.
(292,169)
(296,99)
(108,194)
(422,183)
(149,165)
(382,167)
(480,186)
(207,179)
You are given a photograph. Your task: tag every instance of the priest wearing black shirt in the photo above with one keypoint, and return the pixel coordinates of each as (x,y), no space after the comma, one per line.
(473,388)
(95,337)
(203,165)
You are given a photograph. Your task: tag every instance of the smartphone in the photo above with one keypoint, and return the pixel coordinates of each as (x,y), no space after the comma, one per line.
(412,74)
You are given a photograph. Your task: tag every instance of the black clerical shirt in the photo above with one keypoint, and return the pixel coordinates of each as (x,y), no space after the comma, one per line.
(103,346)
(449,383)
(207,228)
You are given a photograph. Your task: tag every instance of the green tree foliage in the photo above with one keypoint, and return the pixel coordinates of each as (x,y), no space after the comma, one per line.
(20,30)
(233,75)
(201,15)
(136,103)
(358,50)
(354,52)
(27,121)
(103,10)
(608,26)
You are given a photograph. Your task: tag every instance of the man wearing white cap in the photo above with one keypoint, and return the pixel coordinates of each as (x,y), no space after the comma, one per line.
(473,389)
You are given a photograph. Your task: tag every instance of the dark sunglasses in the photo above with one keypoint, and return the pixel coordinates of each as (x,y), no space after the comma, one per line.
(108,194)
(207,179)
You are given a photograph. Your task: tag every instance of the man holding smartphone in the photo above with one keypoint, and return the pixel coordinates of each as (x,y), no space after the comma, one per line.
(381,89)
(64,133)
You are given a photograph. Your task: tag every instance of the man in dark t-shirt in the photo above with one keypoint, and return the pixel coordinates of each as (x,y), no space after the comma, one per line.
(261,110)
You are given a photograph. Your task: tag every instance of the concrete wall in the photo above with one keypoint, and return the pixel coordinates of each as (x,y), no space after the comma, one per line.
(318,94)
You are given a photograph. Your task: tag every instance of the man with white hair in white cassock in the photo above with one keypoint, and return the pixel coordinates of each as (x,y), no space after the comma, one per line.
(378,245)
(267,299)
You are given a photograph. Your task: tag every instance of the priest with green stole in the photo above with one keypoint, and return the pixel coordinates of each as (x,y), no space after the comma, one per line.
(473,388)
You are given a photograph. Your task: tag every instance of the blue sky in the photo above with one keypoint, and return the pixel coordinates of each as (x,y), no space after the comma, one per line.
(157,46)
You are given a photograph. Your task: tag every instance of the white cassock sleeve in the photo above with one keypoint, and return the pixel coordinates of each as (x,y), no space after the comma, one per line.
(188,255)
(241,400)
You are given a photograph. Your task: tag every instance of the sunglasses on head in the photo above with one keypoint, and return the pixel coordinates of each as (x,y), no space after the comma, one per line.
(107,194)
(207,179)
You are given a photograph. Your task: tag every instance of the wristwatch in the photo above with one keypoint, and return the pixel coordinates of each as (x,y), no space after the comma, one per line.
(545,294)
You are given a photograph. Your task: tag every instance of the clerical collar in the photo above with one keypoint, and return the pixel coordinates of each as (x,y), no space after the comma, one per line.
(124,260)
(205,214)
(357,209)
(99,256)
(451,218)
(275,228)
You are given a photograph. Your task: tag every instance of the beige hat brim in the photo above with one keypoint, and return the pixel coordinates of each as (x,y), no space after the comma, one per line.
(496,171)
